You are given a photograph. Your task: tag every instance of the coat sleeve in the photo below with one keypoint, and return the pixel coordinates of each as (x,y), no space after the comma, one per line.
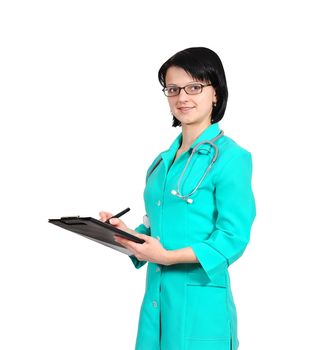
(146,231)
(235,214)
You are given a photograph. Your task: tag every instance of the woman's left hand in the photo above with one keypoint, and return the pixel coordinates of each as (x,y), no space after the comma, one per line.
(151,250)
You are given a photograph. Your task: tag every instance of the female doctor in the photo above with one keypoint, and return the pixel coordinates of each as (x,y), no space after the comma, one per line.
(200,209)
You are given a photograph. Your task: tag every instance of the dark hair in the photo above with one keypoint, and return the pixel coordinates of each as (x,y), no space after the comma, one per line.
(204,65)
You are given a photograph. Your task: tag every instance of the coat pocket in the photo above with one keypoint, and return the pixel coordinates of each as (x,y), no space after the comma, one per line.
(206,314)
(196,276)
(209,345)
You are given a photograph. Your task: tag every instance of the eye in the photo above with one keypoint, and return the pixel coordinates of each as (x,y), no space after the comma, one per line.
(172,89)
(194,87)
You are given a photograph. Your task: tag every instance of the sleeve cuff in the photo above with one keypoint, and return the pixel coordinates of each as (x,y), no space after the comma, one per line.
(146,231)
(211,260)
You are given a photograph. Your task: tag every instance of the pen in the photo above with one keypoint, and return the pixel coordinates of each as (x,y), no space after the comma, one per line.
(118,215)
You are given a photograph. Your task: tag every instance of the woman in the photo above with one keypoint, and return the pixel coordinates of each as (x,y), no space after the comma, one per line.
(200,209)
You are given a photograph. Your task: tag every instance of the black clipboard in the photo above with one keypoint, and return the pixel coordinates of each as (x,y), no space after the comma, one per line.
(96,230)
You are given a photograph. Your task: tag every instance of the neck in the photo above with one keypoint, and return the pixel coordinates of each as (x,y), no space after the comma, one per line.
(190,133)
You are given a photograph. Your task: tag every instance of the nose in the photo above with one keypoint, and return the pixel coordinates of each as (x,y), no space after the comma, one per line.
(183,96)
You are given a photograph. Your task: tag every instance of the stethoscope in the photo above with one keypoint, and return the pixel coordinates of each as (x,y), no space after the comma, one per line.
(186,197)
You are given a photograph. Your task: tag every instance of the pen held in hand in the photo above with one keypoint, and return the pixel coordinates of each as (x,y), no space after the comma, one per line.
(118,215)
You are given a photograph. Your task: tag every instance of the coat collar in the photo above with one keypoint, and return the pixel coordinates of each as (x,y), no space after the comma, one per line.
(209,133)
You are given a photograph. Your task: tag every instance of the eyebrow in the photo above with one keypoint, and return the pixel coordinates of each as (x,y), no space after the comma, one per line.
(192,82)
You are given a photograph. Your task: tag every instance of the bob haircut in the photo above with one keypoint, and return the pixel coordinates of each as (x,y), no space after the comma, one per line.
(203,65)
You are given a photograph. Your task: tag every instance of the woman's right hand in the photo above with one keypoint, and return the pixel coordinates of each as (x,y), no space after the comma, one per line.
(104,215)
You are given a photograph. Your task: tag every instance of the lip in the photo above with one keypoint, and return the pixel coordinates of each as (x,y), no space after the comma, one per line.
(185,109)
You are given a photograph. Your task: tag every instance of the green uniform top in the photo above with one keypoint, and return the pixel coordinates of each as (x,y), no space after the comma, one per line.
(190,306)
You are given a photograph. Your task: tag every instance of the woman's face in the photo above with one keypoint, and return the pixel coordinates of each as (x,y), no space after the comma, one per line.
(190,109)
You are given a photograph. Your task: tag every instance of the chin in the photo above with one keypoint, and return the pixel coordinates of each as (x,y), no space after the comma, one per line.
(193,120)
(189,121)
(186,119)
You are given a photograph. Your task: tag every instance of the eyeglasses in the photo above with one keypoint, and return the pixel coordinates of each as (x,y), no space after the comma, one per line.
(190,89)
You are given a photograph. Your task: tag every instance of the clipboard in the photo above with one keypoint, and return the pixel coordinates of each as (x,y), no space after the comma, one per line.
(96,230)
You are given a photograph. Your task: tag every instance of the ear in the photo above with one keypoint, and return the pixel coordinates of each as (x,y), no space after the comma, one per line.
(214,97)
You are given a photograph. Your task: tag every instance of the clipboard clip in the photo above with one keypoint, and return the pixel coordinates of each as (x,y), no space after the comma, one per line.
(69,217)
(70,220)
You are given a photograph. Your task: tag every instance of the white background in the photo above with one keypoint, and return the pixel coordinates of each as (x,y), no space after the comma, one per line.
(83,116)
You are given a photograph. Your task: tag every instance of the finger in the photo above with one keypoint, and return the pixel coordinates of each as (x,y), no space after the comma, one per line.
(119,224)
(139,257)
(136,234)
(104,215)
(120,240)
(146,238)
(123,242)
(126,243)
(114,221)
(133,246)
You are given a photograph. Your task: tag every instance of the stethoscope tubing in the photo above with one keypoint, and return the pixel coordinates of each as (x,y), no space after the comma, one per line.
(212,144)
(214,158)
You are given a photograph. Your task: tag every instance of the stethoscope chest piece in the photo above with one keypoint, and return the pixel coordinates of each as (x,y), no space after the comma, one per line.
(175,193)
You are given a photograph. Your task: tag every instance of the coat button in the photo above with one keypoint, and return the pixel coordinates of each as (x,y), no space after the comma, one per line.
(154,304)
(158,203)
(158,269)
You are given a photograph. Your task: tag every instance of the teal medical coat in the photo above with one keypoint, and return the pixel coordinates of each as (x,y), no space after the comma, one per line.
(190,306)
